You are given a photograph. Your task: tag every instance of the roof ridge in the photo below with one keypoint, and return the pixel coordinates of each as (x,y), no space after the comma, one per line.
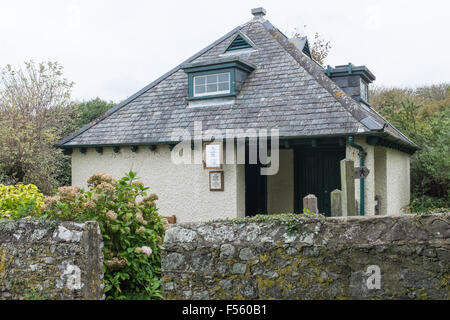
(148,87)
(346,101)
(312,67)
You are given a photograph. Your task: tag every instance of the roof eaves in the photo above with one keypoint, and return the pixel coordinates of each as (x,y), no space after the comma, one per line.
(146,88)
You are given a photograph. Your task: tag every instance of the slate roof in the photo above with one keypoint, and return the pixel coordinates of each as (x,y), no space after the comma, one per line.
(287,91)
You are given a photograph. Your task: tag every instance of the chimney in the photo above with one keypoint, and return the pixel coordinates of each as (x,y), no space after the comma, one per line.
(354,80)
(259,13)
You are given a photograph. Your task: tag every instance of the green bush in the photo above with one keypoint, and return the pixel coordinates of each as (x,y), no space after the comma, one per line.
(427,204)
(19,201)
(423,115)
(132,231)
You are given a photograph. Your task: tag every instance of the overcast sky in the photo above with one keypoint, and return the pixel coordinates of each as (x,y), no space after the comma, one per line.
(113,48)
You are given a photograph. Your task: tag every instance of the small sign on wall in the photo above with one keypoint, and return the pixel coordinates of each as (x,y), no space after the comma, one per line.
(212,155)
(361,172)
(216,181)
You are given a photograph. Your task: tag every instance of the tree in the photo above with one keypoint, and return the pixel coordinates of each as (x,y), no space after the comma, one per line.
(319,47)
(422,114)
(90,110)
(35,112)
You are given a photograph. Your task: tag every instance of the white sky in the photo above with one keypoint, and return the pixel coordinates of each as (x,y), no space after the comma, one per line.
(113,48)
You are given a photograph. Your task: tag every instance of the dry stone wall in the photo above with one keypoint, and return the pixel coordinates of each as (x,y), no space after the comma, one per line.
(310,258)
(47,260)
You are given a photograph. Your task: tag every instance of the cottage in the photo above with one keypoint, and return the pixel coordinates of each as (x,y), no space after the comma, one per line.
(253,80)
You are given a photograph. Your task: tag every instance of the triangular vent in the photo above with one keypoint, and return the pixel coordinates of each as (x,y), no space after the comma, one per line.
(239,43)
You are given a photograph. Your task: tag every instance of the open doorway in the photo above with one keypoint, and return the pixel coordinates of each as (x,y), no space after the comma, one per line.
(255,188)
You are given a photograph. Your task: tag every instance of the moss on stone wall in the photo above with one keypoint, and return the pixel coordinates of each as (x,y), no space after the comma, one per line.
(47,260)
(318,258)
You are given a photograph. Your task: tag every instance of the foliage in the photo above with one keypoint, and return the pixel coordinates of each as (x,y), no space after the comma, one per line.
(90,110)
(283,218)
(19,201)
(35,108)
(35,294)
(82,114)
(422,114)
(427,204)
(36,112)
(319,47)
(132,231)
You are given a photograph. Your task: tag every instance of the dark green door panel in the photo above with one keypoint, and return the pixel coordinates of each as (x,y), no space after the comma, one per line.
(317,171)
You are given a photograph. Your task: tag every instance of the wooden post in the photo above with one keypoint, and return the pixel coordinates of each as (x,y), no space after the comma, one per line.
(310,203)
(348,187)
(336,203)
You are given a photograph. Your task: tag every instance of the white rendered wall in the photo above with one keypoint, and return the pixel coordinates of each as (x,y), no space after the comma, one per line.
(183,189)
(369,183)
(392,181)
(381,178)
(398,180)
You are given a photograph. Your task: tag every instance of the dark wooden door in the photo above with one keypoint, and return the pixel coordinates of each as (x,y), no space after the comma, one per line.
(317,171)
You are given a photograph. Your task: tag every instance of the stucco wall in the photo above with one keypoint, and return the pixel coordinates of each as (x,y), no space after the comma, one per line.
(183,189)
(389,177)
(381,178)
(369,183)
(280,187)
(398,180)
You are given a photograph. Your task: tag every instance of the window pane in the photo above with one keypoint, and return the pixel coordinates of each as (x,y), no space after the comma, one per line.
(212,78)
(224,77)
(200,89)
(199,80)
(364,88)
(210,84)
(224,86)
(212,87)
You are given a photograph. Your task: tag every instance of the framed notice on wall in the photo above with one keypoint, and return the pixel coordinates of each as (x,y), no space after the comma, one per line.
(212,155)
(216,181)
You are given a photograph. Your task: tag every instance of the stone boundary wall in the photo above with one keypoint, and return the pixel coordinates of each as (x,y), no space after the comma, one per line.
(310,258)
(48,260)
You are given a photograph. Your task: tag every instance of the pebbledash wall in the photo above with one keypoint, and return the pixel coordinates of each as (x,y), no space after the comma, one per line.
(47,260)
(333,258)
(389,178)
(184,189)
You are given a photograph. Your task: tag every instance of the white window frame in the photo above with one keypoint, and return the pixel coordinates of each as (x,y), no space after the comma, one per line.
(364,91)
(206,84)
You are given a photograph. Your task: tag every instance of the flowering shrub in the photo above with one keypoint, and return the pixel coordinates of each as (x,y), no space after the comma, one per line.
(19,201)
(132,230)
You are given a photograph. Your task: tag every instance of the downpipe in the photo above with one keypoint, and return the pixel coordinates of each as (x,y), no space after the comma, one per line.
(362,154)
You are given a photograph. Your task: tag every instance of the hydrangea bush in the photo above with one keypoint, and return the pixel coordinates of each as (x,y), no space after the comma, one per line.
(131,227)
(18,201)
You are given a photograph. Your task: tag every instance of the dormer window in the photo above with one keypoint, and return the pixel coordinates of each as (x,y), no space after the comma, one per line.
(212,84)
(218,78)
(364,91)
